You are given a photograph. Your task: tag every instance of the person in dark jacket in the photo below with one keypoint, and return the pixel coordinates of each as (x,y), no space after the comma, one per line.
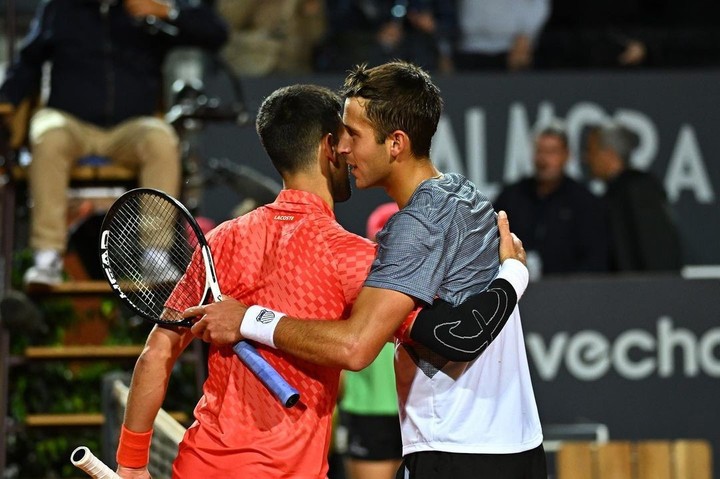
(643,233)
(105,90)
(377,31)
(561,222)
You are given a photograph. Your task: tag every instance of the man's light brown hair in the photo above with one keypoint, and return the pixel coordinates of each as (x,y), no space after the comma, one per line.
(399,96)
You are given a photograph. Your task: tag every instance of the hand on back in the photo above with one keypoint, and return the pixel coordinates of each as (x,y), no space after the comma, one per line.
(510,245)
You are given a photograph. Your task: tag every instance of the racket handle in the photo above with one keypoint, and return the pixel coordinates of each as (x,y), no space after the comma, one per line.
(287,394)
(84,459)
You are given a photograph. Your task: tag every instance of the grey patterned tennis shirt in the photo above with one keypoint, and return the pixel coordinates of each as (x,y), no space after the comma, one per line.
(443,243)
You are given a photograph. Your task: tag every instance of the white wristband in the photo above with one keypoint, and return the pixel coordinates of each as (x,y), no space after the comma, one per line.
(259,324)
(516,274)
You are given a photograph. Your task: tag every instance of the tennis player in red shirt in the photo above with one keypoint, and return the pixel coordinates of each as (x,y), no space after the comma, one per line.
(291,254)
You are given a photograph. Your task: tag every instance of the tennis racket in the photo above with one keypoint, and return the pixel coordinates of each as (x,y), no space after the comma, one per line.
(84,459)
(148,242)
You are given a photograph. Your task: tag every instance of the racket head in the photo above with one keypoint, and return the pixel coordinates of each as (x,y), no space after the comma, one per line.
(149,241)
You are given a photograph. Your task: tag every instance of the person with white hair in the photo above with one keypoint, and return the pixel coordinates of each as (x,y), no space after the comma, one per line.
(643,233)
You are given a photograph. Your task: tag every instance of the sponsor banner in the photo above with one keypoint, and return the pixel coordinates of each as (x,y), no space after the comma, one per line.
(638,354)
(487,128)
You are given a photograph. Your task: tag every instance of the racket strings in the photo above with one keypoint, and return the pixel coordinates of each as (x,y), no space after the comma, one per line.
(150,247)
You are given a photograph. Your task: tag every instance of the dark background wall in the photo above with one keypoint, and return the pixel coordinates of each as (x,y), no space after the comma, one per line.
(487,127)
(638,354)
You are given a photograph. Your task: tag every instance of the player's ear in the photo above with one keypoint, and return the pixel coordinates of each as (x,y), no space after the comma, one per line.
(399,142)
(329,148)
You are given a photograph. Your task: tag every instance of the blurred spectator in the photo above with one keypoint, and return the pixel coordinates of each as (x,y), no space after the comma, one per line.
(377,31)
(631,33)
(272,36)
(430,27)
(599,34)
(643,234)
(558,219)
(498,34)
(359,31)
(369,401)
(105,89)
(689,33)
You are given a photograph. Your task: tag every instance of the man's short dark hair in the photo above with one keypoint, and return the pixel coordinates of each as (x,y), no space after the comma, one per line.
(400,96)
(555,128)
(292,121)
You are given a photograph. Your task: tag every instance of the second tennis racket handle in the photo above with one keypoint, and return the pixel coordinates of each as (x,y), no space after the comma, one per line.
(287,394)
(85,460)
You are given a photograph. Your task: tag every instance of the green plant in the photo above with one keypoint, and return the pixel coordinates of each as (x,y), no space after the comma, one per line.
(71,387)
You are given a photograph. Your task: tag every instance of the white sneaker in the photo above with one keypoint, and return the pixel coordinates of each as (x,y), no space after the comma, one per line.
(157,267)
(47,270)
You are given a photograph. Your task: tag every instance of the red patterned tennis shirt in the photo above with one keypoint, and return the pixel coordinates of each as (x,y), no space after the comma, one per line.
(291,256)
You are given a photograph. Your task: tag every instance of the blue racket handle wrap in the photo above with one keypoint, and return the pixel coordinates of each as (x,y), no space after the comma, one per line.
(287,394)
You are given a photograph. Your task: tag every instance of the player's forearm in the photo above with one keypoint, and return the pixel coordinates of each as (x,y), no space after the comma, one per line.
(147,393)
(348,344)
(329,343)
(326,342)
(464,332)
(151,376)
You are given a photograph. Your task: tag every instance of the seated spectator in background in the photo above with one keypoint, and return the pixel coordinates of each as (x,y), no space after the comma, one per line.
(643,234)
(272,36)
(369,400)
(359,31)
(498,34)
(599,34)
(430,27)
(104,92)
(378,31)
(631,33)
(689,33)
(561,222)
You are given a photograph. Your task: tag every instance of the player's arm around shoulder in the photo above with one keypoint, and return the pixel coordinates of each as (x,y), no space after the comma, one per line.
(348,344)
(351,344)
(463,332)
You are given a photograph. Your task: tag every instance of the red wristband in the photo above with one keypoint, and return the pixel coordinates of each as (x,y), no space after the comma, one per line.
(133,448)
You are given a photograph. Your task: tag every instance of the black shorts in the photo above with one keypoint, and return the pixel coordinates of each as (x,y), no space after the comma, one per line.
(437,465)
(373,438)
